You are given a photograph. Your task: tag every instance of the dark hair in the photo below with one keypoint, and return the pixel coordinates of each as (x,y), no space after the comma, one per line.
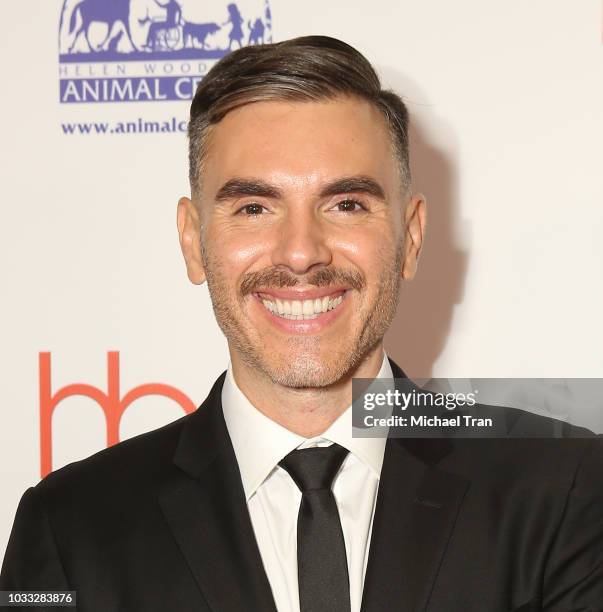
(308,68)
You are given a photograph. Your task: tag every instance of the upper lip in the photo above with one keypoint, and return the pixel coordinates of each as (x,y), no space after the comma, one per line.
(296,293)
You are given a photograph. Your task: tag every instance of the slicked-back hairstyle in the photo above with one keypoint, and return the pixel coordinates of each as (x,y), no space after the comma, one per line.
(309,68)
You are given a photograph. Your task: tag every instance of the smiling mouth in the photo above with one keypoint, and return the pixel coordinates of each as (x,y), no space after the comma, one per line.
(300,310)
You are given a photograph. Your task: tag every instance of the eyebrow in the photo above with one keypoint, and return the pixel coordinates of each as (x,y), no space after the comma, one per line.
(238,187)
(354,184)
(241,187)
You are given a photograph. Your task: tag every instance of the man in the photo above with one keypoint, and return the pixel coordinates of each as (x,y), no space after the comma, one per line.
(303,223)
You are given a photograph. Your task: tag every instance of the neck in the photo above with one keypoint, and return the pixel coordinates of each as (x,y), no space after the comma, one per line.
(307,412)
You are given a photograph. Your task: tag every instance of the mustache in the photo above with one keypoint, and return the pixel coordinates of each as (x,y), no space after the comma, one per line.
(278,278)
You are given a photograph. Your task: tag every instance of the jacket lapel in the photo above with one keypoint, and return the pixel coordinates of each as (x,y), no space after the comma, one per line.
(417,506)
(206,510)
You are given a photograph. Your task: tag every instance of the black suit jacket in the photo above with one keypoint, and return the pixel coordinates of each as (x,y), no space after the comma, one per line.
(159,523)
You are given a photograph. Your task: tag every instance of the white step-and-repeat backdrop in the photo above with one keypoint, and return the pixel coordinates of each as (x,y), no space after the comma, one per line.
(101,335)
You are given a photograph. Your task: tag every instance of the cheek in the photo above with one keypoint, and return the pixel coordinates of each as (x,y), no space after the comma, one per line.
(367,250)
(234,251)
(242,253)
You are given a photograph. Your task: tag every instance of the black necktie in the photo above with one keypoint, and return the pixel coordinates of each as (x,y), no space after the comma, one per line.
(322,567)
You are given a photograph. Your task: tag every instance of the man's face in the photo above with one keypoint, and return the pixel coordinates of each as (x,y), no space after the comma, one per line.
(302,228)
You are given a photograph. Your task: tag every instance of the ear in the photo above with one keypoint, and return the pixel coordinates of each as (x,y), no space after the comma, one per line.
(189,231)
(415,218)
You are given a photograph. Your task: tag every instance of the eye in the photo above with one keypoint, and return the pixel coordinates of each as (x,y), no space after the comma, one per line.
(251,209)
(349,206)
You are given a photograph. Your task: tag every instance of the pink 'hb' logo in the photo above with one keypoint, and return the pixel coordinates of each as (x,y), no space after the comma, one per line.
(111,402)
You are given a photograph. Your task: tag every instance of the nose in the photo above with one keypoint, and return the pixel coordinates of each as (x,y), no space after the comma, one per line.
(301,242)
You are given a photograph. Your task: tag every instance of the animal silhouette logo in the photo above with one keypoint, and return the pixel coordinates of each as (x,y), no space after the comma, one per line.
(256,32)
(101,40)
(195,34)
(122,30)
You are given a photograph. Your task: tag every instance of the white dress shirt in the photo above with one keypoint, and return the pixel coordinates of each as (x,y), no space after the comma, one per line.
(273,498)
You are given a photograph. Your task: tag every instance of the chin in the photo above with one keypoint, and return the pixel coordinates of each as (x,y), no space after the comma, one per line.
(295,379)
(309,371)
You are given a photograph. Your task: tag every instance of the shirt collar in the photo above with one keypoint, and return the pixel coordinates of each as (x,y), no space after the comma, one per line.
(260,443)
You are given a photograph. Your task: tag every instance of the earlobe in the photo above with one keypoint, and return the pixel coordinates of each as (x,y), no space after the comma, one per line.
(189,233)
(415,222)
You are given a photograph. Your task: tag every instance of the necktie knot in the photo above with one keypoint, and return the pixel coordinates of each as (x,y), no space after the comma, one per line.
(314,468)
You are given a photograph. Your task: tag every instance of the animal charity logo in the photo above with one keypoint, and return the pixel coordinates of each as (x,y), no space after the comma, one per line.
(150,50)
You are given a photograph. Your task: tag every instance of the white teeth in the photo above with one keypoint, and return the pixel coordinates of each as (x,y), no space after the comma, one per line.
(334,303)
(298,310)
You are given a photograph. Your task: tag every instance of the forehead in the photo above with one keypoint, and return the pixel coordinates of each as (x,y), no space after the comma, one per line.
(301,144)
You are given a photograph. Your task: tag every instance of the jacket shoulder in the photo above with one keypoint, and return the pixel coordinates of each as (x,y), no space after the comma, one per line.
(133,463)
